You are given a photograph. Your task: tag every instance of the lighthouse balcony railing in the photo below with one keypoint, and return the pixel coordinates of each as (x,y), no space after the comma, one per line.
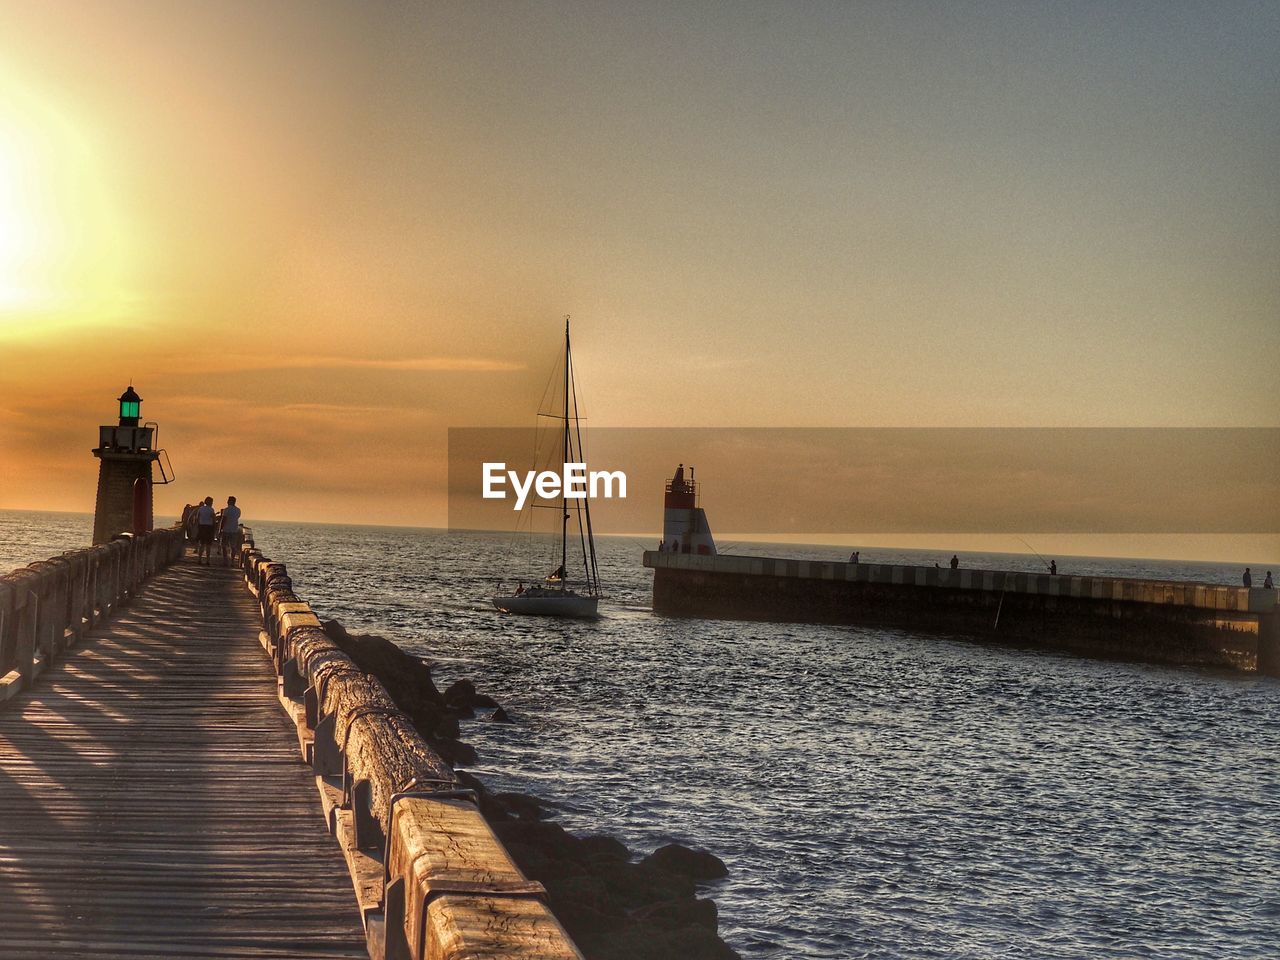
(132,439)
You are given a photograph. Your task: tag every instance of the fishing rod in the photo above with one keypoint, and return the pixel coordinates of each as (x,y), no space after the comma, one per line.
(1004,587)
(1046,563)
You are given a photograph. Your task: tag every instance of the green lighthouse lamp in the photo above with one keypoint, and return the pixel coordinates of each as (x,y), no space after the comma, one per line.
(130,407)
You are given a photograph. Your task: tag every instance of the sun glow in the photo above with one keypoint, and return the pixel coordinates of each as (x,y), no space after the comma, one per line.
(60,247)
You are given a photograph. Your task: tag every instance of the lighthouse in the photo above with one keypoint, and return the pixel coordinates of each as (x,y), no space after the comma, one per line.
(125,452)
(684,524)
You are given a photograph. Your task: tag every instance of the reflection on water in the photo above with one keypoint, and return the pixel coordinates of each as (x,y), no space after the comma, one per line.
(874,793)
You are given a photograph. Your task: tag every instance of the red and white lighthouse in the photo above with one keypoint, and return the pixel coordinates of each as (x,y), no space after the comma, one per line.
(684,524)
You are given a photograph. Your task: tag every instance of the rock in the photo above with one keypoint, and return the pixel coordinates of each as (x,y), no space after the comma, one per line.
(470,781)
(549,838)
(645,942)
(461,695)
(500,716)
(582,903)
(682,860)
(533,862)
(447,728)
(638,885)
(601,848)
(612,908)
(455,751)
(495,811)
(682,913)
(521,806)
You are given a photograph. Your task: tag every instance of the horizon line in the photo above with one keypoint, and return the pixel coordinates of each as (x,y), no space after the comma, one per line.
(737,538)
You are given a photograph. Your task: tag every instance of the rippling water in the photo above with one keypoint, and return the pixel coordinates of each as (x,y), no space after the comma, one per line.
(27,536)
(874,793)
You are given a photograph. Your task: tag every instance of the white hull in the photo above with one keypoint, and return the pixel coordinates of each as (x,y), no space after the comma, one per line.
(568,605)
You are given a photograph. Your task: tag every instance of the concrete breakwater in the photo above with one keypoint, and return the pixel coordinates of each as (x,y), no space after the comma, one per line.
(1149,620)
(443,867)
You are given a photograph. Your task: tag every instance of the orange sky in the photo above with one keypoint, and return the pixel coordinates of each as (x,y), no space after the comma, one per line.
(318,235)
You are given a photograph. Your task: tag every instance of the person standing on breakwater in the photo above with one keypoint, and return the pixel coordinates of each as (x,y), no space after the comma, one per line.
(955,562)
(1248,578)
(229,534)
(1053,568)
(1268,583)
(205,519)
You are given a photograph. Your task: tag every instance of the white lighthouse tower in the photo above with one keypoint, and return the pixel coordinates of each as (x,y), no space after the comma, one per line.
(684,524)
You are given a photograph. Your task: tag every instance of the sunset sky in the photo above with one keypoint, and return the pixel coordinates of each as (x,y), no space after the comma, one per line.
(317,235)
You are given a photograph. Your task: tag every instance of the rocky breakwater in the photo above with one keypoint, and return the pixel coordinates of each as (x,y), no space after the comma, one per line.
(614,905)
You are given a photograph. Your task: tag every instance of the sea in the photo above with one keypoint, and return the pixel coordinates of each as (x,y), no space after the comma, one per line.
(874,793)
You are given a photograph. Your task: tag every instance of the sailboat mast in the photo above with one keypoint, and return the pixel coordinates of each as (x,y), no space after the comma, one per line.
(564,502)
(588,560)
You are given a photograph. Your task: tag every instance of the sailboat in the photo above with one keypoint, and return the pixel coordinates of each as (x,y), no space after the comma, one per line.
(554,597)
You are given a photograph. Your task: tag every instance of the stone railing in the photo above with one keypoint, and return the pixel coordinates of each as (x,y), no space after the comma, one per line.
(47,606)
(432,880)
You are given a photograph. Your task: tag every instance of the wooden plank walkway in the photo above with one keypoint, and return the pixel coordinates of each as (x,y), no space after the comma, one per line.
(152,798)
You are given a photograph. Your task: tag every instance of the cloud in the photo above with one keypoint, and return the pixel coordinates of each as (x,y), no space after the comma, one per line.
(412,364)
(216,409)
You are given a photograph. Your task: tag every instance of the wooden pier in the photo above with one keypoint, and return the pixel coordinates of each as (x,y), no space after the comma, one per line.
(151,800)
(156,800)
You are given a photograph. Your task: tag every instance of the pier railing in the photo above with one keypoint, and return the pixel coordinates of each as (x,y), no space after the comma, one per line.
(432,880)
(47,606)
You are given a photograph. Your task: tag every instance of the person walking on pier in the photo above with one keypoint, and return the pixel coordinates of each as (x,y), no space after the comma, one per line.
(205,519)
(230,534)
(1248,578)
(1268,583)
